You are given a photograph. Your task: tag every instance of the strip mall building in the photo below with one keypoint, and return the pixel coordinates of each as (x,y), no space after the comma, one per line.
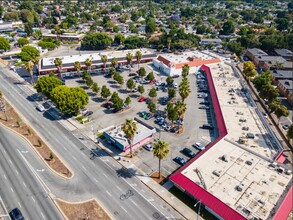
(241,175)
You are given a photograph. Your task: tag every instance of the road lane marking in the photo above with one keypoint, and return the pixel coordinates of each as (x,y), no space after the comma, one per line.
(24,184)
(83,167)
(19,204)
(123,209)
(33,199)
(10,161)
(134,203)
(74,157)
(95,180)
(105,175)
(108,193)
(16,171)
(11,189)
(43,215)
(5,176)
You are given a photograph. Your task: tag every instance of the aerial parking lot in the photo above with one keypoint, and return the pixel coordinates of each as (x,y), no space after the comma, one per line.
(194,117)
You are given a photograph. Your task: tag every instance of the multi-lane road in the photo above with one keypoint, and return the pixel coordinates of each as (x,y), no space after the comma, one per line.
(93,177)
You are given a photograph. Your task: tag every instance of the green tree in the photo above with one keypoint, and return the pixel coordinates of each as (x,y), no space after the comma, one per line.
(152,107)
(105,92)
(95,88)
(117,102)
(184,89)
(88,62)
(36,61)
(112,71)
(114,62)
(96,41)
(185,71)
(281,111)
(262,80)
(150,76)
(249,69)
(29,67)
(28,28)
(228,27)
(172,114)
(134,42)
(127,101)
(153,93)
(129,57)
(77,66)
(58,63)
(181,108)
(142,72)
(282,24)
(169,81)
(151,26)
(161,151)
(130,84)
(140,89)
(138,56)
(46,84)
(129,127)
(269,92)
(89,81)
(4,44)
(104,60)
(69,100)
(290,132)
(28,53)
(22,41)
(171,93)
(119,39)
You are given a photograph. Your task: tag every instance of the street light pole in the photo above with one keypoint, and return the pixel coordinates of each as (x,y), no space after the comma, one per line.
(198,213)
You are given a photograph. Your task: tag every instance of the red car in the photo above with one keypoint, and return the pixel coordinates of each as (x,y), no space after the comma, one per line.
(142,99)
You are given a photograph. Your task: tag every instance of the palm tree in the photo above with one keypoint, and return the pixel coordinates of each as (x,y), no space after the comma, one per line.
(104,59)
(129,57)
(138,56)
(114,62)
(161,151)
(29,67)
(181,108)
(184,89)
(3,105)
(129,128)
(36,61)
(58,64)
(88,62)
(77,66)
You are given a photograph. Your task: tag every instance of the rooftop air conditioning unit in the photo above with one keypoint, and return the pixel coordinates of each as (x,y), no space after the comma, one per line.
(288,172)
(240,187)
(216,173)
(249,162)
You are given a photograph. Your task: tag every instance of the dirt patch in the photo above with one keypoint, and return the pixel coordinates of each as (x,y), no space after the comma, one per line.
(15,123)
(86,210)
(155,175)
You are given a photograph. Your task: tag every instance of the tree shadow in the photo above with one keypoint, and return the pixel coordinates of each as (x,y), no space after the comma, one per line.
(126,172)
(98,99)
(91,94)
(122,91)
(84,87)
(109,111)
(133,95)
(115,86)
(80,81)
(112,82)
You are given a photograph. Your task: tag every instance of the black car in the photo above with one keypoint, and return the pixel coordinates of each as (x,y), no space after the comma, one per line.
(179,160)
(16,214)
(207,126)
(108,105)
(175,76)
(89,113)
(205,103)
(188,152)
(132,74)
(174,129)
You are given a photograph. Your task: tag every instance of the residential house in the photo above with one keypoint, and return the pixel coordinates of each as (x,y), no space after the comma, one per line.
(283,79)
(285,53)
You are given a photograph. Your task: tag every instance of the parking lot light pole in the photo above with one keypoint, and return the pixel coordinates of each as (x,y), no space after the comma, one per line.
(198,213)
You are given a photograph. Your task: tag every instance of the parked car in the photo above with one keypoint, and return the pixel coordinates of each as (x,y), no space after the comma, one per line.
(89,113)
(179,160)
(149,116)
(132,74)
(174,129)
(108,105)
(148,147)
(188,152)
(204,107)
(205,103)
(40,108)
(265,115)
(83,111)
(16,214)
(175,76)
(207,126)
(158,83)
(198,146)
(142,99)
(286,127)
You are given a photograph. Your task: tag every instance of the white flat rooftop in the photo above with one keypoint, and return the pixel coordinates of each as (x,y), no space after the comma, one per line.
(182,57)
(48,61)
(247,164)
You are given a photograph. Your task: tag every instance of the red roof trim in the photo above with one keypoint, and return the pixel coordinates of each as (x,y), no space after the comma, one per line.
(215,204)
(285,207)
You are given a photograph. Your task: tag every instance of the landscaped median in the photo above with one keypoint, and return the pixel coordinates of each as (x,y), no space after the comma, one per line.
(14,122)
(90,209)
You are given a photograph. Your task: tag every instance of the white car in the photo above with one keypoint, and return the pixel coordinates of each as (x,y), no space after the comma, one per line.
(148,147)
(158,83)
(286,126)
(40,108)
(198,146)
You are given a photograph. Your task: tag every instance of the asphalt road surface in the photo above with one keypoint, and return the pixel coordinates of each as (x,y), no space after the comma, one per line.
(19,183)
(94,176)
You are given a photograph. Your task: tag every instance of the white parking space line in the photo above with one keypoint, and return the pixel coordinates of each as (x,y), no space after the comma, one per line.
(43,215)
(19,204)
(108,193)
(5,177)
(123,209)
(24,184)
(11,189)
(33,199)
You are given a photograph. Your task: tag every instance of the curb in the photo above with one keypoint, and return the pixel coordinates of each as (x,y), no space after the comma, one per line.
(20,115)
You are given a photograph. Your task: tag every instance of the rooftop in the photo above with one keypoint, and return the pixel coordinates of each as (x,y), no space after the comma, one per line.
(183,57)
(236,170)
(142,132)
(284,52)
(288,84)
(283,74)
(257,52)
